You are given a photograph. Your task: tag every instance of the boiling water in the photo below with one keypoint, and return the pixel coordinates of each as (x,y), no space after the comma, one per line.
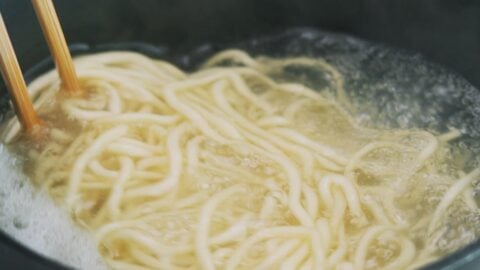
(388,88)
(33,219)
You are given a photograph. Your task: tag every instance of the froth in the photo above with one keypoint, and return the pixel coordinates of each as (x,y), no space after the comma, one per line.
(33,219)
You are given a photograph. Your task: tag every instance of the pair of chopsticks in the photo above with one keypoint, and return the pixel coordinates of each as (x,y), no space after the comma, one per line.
(12,73)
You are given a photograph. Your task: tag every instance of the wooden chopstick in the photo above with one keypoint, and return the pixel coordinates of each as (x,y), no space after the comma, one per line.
(15,83)
(53,33)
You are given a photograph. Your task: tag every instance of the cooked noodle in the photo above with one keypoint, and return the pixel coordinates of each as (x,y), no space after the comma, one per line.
(234,167)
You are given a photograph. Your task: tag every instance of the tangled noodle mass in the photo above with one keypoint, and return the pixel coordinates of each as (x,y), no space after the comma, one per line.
(237,166)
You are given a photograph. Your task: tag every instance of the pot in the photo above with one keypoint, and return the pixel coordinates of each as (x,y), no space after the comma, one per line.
(445,32)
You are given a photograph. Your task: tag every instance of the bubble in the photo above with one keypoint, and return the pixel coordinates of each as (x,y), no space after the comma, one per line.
(34,220)
(19,223)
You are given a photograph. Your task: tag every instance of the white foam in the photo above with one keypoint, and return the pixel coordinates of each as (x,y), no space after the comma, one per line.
(33,219)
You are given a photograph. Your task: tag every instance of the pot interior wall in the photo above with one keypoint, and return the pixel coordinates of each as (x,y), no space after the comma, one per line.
(448,32)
